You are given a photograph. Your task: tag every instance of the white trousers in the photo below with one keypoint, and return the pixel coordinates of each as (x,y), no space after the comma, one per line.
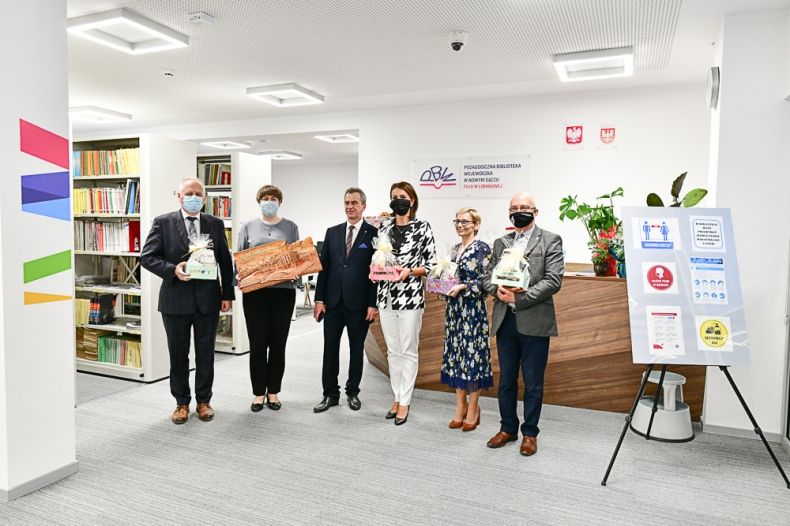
(401,330)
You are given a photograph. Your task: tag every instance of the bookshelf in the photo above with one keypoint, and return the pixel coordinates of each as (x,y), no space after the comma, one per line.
(118,187)
(244,174)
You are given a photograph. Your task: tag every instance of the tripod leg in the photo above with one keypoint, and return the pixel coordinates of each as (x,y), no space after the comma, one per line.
(754,423)
(655,401)
(628,418)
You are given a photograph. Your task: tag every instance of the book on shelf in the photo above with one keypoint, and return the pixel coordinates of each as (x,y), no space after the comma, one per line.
(119,161)
(103,236)
(216,174)
(106,200)
(87,344)
(132,197)
(229,237)
(81,311)
(219,205)
(118,350)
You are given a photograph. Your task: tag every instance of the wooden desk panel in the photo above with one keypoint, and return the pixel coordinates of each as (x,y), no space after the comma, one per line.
(589,362)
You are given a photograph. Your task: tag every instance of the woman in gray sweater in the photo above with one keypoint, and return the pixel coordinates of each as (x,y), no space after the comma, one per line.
(268,310)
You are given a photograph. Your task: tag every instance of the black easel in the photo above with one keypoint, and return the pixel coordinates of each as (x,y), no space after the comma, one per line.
(630,415)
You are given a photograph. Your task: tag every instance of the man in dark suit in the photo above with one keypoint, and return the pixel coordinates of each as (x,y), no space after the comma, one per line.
(189,304)
(523,321)
(345,297)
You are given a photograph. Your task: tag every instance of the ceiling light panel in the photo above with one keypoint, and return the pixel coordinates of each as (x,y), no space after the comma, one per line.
(598,64)
(97,114)
(125,31)
(338,138)
(227,145)
(283,95)
(281,155)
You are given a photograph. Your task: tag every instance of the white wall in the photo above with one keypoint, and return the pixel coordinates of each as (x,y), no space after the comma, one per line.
(753,161)
(662,132)
(37,428)
(313,193)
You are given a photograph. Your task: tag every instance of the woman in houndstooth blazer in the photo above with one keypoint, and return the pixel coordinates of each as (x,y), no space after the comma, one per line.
(402,303)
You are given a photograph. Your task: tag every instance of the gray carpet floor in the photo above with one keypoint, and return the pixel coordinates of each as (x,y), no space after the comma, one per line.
(345,467)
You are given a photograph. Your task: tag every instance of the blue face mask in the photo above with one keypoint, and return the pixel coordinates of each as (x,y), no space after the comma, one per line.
(269,208)
(192,203)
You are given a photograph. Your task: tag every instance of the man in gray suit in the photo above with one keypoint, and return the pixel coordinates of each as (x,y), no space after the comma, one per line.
(523,321)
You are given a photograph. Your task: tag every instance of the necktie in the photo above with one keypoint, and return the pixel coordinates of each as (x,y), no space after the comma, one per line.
(192,231)
(349,238)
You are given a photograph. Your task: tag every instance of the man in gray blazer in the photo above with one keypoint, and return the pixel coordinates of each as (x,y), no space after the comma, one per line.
(523,321)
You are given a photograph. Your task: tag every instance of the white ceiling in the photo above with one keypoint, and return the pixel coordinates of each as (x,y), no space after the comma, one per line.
(365,54)
(311,149)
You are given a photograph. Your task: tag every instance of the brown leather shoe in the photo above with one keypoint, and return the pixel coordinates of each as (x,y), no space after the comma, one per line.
(205,412)
(455,424)
(500,439)
(529,446)
(180,415)
(469,426)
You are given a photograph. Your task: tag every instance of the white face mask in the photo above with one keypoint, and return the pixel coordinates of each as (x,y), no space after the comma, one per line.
(192,203)
(269,208)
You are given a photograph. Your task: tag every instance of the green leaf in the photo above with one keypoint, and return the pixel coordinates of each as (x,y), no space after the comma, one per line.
(618,192)
(674,205)
(654,200)
(694,196)
(677,184)
(584,209)
(604,196)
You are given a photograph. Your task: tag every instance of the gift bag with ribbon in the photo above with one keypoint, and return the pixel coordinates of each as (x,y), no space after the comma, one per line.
(201,263)
(512,270)
(383,264)
(442,276)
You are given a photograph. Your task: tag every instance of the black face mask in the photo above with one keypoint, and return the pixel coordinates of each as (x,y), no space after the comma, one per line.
(400,206)
(521,219)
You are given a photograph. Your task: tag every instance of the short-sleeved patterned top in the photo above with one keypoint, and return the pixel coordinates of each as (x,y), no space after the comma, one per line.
(414,247)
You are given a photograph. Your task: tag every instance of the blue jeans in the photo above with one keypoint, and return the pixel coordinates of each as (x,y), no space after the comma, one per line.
(530,354)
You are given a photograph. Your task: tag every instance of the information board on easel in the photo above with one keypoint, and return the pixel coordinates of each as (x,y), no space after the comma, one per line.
(684,300)
(684,291)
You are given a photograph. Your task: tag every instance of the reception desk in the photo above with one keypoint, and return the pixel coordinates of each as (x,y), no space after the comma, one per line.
(589,362)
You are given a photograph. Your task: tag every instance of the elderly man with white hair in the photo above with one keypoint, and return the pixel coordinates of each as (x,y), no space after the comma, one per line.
(189,304)
(523,321)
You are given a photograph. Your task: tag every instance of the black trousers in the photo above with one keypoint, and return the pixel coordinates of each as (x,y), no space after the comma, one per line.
(530,354)
(268,317)
(177,328)
(335,320)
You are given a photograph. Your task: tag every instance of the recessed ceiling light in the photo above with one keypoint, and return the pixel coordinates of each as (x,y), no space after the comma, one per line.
(592,65)
(281,155)
(226,145)
(338,138)
(96,114)
(285,95)
(126,31)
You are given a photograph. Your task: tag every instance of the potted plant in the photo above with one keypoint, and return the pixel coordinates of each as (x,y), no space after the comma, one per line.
(604,229)
(691,198)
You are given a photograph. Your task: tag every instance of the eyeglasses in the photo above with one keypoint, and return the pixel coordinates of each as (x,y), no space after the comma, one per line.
(462,222)
(522,209)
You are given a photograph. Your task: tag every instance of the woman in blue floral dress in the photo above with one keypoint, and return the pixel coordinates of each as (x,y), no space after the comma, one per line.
(466,364)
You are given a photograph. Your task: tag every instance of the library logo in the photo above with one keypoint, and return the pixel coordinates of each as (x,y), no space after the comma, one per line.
(438,176)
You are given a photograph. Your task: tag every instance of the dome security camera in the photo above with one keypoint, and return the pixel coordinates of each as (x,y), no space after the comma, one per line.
(458,39)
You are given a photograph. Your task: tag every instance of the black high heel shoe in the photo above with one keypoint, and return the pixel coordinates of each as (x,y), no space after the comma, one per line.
(390,415)
(401,421)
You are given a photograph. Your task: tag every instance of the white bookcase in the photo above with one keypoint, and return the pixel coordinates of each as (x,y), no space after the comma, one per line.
(163,163)
(248,174)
